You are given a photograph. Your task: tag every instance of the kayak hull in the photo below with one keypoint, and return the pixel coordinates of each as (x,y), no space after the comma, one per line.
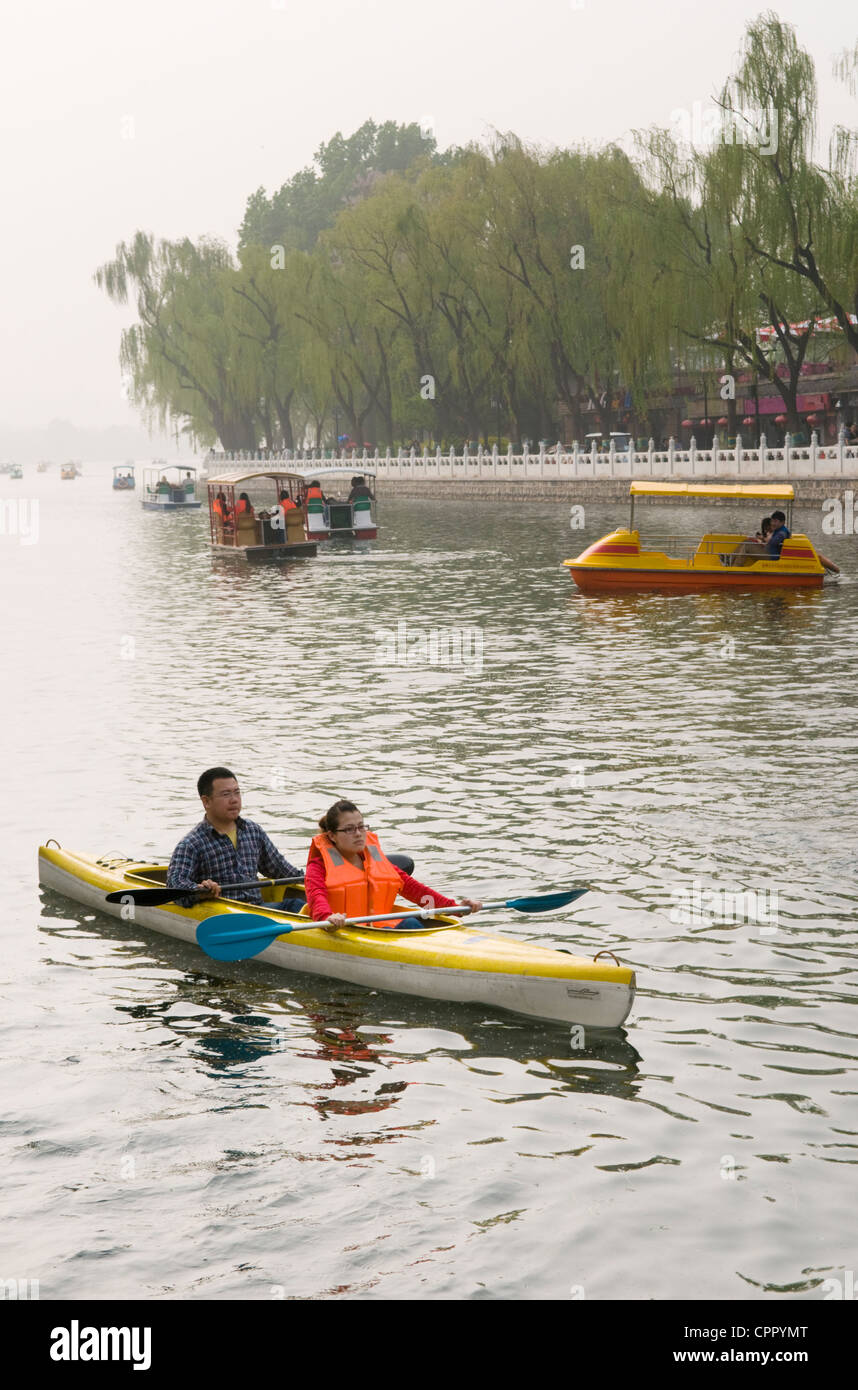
(460,964)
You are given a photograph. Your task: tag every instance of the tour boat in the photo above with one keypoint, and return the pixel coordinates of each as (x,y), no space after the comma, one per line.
(256,526)
(620,562)
(16,471)
(330,517)
(70,470)
(169,488)
(123,477)
(451,962)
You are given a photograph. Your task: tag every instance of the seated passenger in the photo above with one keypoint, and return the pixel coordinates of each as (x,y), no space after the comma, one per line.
(777,535)
(761,547)
(243,506)
(348,872)
(226,848)
(359,489)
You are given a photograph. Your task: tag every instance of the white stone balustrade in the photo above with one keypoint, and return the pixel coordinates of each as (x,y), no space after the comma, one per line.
(814,460)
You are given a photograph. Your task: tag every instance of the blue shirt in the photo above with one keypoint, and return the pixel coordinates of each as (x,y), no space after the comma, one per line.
(776,540)
(205,853)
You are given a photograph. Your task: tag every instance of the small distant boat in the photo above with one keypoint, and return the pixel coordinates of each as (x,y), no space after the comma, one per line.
(123,477)
(16,471)
(6,467)
(619,563)
(43,466)
(68,471)
(169,488)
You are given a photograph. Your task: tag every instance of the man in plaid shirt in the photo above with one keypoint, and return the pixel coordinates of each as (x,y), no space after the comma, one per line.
(225,848)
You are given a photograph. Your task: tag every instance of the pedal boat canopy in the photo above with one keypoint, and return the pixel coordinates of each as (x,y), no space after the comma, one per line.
(620,562)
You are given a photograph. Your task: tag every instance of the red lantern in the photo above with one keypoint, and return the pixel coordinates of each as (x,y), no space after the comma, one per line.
(686,424)
(780,419)
(722,420)
(813,419)
(748,420)
(706,423)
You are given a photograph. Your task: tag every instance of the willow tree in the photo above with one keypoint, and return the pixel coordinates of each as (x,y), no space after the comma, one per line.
(566,229)
(184,360)
(801,218)
(717,290)
(265,292)
(353,358)
(412,247)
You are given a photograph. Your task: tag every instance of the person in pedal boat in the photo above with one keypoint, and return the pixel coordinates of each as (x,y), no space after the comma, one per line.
(225,848)
(348,873)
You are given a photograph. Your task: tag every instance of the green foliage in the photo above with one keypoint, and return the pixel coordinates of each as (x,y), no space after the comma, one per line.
(475,292)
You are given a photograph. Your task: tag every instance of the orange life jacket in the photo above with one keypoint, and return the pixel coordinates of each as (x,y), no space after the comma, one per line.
(217,508)
(242,506)
(287,504)
(313,492)
(353,890)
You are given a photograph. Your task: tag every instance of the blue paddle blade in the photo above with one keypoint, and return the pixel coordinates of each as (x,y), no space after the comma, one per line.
(238,936)
(546,902)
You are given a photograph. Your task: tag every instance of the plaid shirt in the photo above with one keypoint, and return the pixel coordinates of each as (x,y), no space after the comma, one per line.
(205,853)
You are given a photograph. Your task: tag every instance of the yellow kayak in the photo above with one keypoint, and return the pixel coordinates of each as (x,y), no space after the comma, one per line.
(458,963)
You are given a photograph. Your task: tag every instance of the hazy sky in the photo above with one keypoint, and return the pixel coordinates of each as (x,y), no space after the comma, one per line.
(166,114)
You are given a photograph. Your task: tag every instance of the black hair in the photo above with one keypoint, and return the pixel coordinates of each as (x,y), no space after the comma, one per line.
(243,497)
(207,780)
(331,819)
(778,516)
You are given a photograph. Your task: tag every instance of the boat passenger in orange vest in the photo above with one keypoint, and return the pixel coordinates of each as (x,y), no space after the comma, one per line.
(243,505)
(313,490)
(348,873)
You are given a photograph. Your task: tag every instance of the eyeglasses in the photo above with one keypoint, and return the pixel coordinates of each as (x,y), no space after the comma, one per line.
(352,829)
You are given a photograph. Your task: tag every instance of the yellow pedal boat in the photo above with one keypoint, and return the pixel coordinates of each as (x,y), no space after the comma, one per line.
(620,562)
(459,964)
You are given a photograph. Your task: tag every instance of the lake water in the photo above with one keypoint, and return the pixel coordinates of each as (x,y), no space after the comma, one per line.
(176,1128)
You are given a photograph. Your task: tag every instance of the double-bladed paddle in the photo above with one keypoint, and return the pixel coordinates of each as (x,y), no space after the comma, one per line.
(238,936)
(153,897)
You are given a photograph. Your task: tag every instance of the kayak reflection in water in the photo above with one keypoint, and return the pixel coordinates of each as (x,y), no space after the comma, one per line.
(348,874)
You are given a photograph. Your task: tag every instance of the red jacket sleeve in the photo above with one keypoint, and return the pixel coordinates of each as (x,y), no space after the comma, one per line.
(417,892)
(314,887)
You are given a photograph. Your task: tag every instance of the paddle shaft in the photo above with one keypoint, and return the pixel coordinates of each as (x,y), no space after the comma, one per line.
(165,895)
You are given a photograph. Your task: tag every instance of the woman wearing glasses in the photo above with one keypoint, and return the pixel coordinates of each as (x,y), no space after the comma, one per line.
(348,873)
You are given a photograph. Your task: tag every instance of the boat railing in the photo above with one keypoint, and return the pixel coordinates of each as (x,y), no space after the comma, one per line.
(681,548)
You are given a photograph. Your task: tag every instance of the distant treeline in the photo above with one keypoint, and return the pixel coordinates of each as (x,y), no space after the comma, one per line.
(394,291)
